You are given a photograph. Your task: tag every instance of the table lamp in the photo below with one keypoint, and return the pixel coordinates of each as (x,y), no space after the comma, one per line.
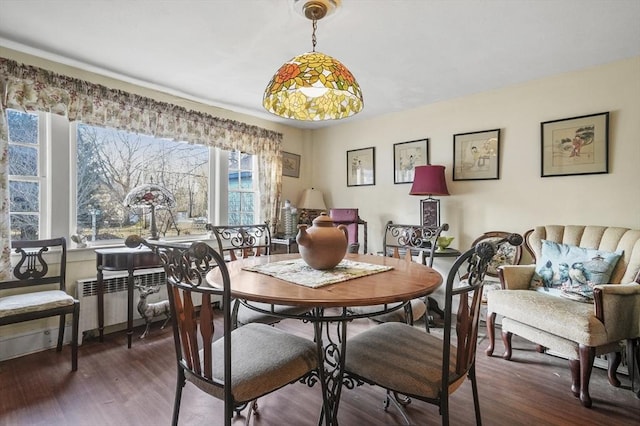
(152,196)
(429,180)
(310,205)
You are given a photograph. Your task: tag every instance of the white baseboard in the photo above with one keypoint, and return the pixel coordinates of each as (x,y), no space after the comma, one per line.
(18,345)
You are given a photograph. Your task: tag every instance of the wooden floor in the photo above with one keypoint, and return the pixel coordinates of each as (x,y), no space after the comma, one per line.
(119,386)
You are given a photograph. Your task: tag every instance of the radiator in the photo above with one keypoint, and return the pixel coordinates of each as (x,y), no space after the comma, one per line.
(115,299)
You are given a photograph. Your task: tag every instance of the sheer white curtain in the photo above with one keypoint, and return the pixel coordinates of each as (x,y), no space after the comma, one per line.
(29,88)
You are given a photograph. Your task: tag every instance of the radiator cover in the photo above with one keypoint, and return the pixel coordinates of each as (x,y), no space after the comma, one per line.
(115,299)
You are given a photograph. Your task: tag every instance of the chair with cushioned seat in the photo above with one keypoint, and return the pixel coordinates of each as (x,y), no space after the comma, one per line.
(402,241)
(32,297)
(240,242)
(410,363)
(242,365)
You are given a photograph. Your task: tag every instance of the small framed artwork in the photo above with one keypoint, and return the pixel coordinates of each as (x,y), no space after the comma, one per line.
(290,164)
(575,146)
(361,167)
(430,212)
(408,155)
(476,155)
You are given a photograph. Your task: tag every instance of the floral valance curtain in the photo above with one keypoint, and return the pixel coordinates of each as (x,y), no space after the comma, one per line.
(29,88)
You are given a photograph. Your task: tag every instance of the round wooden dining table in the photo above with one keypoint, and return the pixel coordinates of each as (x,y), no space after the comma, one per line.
(403,282)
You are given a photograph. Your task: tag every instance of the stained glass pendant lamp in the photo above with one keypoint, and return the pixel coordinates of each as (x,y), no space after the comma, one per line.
(313,86)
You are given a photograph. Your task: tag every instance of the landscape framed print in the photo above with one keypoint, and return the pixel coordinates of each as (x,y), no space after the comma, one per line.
(290,164)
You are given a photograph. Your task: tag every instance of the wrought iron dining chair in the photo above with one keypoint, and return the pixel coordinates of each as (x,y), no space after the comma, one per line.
(240,242)
(242,365)
(403,241)
(410,363)
(34,298)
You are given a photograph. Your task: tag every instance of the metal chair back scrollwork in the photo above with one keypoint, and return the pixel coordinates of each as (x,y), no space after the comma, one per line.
(242,241)
(409,240)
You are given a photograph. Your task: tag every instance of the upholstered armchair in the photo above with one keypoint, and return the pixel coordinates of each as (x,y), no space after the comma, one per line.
(582,319)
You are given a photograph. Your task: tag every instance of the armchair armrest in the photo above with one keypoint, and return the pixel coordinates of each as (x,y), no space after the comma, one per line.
(616,306)
(516,277)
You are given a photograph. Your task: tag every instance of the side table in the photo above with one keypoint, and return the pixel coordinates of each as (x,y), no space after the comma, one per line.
(289,243)
(122,259)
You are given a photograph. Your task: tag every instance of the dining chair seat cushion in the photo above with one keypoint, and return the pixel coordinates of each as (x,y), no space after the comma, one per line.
(400,357)
(34,302)
(249,316)
(263,359)
(418,309)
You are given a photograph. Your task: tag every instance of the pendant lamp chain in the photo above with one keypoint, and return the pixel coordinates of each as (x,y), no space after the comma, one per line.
(313,35)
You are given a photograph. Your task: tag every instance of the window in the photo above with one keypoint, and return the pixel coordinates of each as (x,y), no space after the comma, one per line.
(241,189)
(25,170)
(103,165)
(111,163)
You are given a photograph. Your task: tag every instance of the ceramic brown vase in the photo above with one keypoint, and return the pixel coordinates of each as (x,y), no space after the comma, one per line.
(322,246)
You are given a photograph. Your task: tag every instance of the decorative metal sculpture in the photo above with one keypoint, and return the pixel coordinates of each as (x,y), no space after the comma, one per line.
(149,311)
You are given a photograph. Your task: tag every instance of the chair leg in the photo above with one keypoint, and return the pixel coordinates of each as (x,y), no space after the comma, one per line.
(587,355)
(574,366)
(491,333)
(61,332)
(474,389)
(180,382)
(74,336)
(615,358)
(506,339)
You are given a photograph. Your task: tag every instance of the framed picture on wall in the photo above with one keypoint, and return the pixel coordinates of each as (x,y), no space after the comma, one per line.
(290,164)
(408,155)
(361,168)
(476,155)
(575,146)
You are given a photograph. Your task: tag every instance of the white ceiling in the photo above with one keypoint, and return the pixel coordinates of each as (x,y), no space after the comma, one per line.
(404,53)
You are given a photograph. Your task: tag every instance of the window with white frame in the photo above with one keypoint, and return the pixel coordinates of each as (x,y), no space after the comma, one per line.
(25,175)
(242,194)
(102,165)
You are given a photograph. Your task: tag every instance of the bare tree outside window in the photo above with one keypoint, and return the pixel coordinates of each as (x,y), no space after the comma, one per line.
(112,162)
(24,183)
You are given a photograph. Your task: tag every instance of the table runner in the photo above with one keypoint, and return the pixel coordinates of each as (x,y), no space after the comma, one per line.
(298,272)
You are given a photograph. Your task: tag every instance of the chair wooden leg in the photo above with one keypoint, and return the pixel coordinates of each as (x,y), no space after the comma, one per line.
(491,333)
(61,332)
(574,365)
(615,358)
(635,353)
(74,336)
(506,339)
(587,355)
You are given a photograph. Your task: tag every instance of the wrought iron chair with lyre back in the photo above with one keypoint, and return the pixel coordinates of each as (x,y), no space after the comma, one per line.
(428,368)
(33,296)
(242,365)
(240,242)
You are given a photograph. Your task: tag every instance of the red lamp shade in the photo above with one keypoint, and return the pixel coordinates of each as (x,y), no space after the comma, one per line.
(429,180)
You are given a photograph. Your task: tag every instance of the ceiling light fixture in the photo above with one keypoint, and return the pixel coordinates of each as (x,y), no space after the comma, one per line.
(313,86)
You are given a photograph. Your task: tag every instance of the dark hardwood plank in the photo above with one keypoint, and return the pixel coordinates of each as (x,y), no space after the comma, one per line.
(119,386)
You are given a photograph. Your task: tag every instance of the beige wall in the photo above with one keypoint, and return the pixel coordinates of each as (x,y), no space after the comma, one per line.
(520,199)
(515,202)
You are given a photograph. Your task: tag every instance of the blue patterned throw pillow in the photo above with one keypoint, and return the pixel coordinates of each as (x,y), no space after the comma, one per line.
(571,271)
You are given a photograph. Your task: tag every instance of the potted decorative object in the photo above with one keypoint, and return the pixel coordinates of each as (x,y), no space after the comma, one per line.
(323,245)
(443,242)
